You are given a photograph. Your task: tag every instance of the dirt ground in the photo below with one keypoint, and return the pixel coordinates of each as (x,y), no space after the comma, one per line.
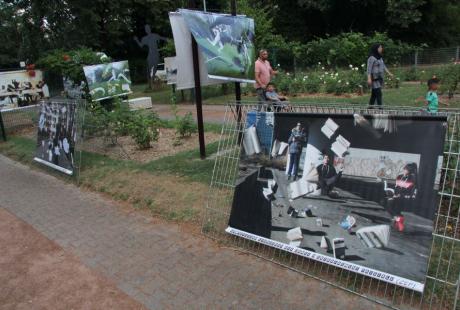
(126,148)
(35,273)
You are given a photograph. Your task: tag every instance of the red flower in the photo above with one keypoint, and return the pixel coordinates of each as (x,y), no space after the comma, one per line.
(30,67)
(66,57)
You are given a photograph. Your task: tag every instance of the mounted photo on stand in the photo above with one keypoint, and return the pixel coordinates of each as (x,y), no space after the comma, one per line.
(20,88)
(108,80)
(57,132)
(183,61)
(358,192)
(226,42)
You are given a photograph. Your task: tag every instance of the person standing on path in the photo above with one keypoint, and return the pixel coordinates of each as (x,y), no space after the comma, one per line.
(263,74)
(375,73)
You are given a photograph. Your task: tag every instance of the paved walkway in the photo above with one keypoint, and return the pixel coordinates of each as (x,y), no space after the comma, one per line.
(156,263)
(211,113)
(35,273)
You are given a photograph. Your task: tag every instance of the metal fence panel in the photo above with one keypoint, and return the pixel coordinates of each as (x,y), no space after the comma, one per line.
(18,118)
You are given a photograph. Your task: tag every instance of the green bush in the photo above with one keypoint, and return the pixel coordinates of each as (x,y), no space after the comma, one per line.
(351,80)
(70,63)
(143,128)
(339,51)
(311,83)
(391,82)
(450,78)
(185,126)
(120,121)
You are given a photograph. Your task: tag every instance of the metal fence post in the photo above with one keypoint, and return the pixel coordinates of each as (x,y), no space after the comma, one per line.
(458,286)
(416,59)
(2,127)
(198,96)
(457,54)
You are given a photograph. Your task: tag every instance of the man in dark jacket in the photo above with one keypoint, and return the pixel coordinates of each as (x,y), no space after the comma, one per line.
(327,176)
(296,142)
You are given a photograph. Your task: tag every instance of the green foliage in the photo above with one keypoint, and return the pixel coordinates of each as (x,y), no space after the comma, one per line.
(111,123)
(120,121)
(404,13)
(143,128)
(31,28)
(169,49)
(185,126)
(9,34)
(321,79)
(263,15)
(350,48)
(70,63)
(450,78)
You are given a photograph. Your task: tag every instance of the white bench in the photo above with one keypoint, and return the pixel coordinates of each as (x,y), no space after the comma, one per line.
(140,103)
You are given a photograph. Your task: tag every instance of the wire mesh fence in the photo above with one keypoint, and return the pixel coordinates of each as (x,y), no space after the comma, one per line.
(18,118)
(431,56)
(27,119)
(442,279)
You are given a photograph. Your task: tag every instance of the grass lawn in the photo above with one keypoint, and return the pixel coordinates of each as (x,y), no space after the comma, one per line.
(406,95)
(172,187)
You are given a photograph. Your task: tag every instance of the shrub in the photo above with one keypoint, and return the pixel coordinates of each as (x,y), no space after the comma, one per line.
(337,51)
(391,82)
(70,63)
(450,77)
(143,128)
(120,121)
(283,81)
(185,126)
(311,83)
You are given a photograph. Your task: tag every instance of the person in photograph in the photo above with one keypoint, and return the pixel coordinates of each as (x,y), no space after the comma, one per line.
(327,175)
(404,191)
(50,151)
(56,154)
(375,74)
(263,75)
(217,31)
(66,148)
(295,141)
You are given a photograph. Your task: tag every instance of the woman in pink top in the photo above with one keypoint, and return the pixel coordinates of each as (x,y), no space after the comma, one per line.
(263,74)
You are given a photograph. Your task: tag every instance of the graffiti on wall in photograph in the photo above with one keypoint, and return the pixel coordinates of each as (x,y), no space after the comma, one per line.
(344,190)
(21,88)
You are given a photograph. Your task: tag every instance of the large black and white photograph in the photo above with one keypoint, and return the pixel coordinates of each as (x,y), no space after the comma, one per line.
(356,191)
(57,134)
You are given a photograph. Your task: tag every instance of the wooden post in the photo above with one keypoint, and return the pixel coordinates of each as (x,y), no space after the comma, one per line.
(2,127)
(198,98)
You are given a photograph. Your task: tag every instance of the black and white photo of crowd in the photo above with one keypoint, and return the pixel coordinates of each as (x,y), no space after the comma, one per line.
(57,134)
(356,187)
